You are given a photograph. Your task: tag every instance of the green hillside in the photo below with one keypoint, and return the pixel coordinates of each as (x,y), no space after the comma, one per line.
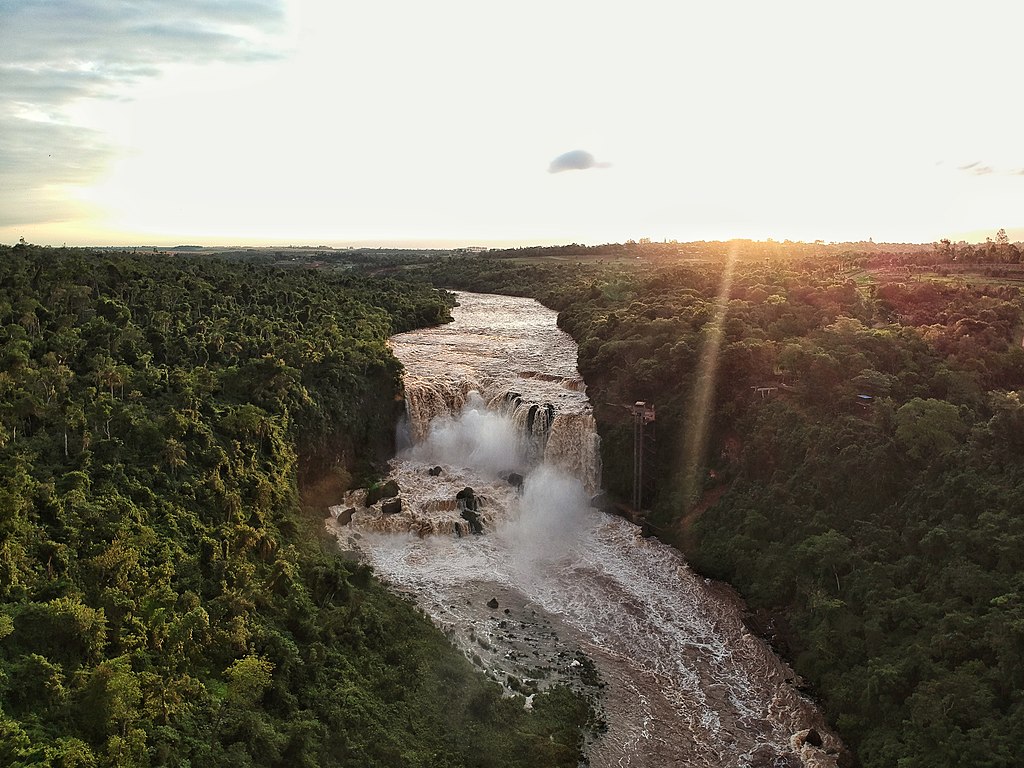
(165,598)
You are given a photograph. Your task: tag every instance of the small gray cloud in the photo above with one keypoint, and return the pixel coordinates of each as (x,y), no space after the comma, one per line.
(576,160)
(57,53)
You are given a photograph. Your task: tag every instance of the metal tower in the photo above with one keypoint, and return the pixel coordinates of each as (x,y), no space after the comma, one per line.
(643,444)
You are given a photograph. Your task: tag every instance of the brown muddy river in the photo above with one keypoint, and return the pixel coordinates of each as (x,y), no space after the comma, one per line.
(554,589)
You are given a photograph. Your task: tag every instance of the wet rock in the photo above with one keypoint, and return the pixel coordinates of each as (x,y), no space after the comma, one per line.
(603,502)
(391,506)
(345,516)
(467,498)
(492,603)
(473,519)
(388,490)
(469,504)
(514,479)
(808,736)
(434,471)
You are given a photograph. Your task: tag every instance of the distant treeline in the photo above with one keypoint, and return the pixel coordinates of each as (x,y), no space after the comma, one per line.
(714,250)
(863,480)
(993,251)
(165,600)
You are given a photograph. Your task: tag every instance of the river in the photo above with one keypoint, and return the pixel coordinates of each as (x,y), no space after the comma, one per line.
(554,590)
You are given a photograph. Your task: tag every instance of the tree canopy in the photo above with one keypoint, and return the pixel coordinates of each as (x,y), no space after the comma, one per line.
(164,597)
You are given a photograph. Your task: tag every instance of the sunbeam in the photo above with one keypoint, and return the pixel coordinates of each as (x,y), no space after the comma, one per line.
(704,387)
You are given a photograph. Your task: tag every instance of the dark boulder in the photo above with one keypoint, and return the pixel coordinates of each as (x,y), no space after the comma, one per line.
(386,491)
(345,516)
(492,603)
(514,479)
(391,507)
(468,506)
(434,471)
(473,518)
(467,499)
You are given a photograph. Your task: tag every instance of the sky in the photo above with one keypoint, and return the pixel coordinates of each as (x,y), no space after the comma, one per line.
(329,122)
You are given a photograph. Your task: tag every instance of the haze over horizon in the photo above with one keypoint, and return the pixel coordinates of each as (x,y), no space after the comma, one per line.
(272,122)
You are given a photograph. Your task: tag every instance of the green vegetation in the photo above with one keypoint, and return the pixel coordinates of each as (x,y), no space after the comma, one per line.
(164,598)
(864,483)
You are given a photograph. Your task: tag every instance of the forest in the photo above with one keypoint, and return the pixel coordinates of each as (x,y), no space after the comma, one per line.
(862,483)
(170,426)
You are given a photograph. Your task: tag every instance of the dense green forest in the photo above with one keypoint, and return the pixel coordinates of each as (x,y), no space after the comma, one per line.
(165,596)
(863,482)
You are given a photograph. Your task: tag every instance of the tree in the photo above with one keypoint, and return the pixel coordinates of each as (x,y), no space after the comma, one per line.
(928,428)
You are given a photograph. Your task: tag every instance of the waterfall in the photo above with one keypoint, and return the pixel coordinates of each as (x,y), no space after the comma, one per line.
(574,446)
(502,441)
(469,441)
(426,400)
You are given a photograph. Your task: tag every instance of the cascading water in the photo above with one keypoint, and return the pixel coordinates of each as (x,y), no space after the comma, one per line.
(500,431)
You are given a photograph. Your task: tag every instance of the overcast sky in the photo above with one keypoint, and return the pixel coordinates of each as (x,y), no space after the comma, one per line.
(334,122)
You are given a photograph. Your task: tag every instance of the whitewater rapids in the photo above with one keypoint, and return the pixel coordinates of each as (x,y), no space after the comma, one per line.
(554,587)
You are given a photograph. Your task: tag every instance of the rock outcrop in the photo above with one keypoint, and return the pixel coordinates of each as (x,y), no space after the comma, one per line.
(388,490)
(469,506)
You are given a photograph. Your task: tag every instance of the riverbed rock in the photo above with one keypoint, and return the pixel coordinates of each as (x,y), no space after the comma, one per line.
(388,490)
(808,736)
(603,502)
(434,471)
(467,499)
(391,507)
(473,518)
(345,516)
(514,479)
(493,603)
(468,506)
(810,745)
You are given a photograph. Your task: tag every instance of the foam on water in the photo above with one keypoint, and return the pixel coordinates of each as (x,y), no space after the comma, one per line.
(687,684)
